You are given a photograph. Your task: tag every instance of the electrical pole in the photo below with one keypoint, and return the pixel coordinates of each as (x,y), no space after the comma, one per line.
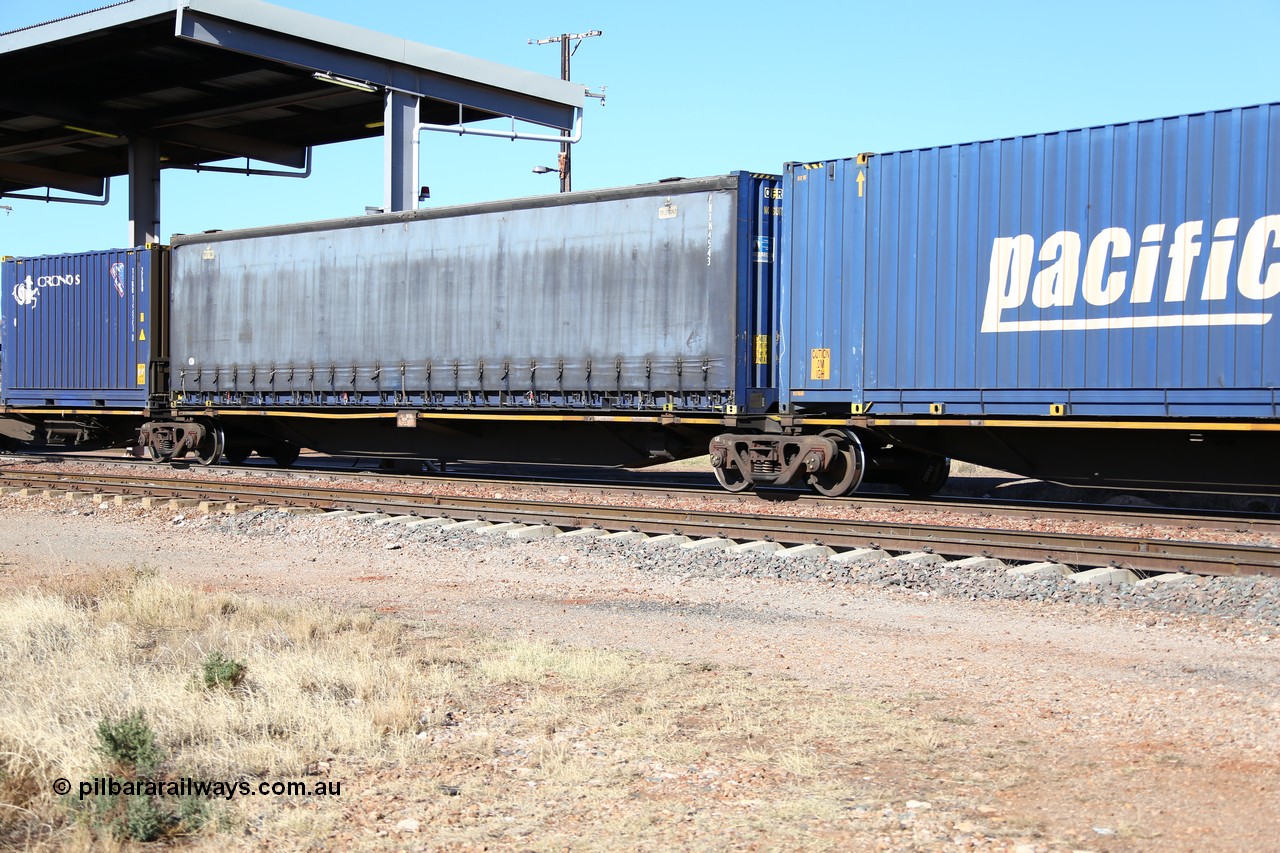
(566,181)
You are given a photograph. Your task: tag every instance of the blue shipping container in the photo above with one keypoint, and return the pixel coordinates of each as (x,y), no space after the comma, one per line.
(77,329)
(1127,270)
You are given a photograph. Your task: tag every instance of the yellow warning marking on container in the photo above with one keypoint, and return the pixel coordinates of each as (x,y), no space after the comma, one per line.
(820,363)
(142,318)
(142,334)
(862,180)
(762,349)
(142,374)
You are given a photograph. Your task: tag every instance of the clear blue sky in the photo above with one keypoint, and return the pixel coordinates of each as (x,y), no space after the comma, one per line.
(700,88)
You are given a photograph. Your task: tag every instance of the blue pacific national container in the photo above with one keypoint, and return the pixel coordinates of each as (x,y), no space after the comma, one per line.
(80,330)
(1128,270)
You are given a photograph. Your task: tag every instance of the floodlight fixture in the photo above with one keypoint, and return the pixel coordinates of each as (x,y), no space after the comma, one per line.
(104,134)
(330,77)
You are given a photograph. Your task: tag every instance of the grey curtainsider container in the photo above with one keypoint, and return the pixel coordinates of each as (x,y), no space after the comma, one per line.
(636,297)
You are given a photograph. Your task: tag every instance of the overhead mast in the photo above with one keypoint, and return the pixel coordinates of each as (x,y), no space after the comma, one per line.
(566,54)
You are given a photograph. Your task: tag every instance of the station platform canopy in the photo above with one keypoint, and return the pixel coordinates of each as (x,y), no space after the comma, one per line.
(144,85)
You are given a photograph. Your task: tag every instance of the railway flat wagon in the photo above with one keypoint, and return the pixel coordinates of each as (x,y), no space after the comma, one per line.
(1095,306)
(613,327)
(82,344)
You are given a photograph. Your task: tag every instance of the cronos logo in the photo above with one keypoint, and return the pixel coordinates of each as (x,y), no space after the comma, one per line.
(27,293)
(1227,288)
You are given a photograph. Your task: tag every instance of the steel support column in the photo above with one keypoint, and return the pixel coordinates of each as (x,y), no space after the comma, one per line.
(144,191)
(399,134)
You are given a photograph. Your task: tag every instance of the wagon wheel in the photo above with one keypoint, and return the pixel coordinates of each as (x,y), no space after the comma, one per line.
(731,478)
(928,478)
(209,450)
(844,474)
(283,454)
(236,454)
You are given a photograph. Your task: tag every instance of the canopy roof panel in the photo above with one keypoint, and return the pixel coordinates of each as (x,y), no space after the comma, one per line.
(216,79)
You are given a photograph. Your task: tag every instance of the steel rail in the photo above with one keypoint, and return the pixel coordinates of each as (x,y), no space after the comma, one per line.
(1243,522)
(1140,554)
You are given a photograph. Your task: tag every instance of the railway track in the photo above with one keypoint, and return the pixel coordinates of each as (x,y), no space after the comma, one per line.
(1141,554)
(645,485)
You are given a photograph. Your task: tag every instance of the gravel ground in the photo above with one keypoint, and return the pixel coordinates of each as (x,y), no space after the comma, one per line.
(1241,606)
(1247,606)
(1137,720)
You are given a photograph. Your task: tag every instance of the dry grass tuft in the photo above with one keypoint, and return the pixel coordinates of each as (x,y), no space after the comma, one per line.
(485,742)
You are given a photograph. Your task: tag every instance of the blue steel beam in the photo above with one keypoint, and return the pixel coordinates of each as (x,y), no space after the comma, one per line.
(451,77)
(37,176)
